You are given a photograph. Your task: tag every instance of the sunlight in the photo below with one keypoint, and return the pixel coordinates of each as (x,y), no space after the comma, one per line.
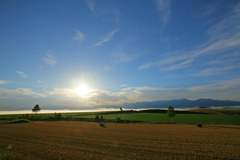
(83,90)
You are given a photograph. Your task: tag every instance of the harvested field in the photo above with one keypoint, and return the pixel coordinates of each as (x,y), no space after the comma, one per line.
(86,140)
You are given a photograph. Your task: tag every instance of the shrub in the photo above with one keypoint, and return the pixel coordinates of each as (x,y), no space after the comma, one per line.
(20,121)
(118,120)
(96,119)
(58,116)
(34,118)
(26,116)
(70,118)
(199,125)
(50,118)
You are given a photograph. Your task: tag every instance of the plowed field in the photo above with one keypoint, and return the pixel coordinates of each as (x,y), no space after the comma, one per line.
(85,140)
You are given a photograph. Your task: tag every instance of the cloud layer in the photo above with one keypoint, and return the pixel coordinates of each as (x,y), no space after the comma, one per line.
(223,90)
(4,82)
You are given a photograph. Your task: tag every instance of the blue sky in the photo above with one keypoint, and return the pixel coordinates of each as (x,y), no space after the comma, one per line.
(121,51)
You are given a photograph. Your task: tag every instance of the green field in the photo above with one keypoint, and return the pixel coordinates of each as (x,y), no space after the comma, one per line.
(182,117)
(179,118)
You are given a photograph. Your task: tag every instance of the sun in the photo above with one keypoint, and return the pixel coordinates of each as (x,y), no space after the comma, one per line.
(83,90)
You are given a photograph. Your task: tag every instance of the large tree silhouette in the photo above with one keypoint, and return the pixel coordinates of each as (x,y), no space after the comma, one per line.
(36,108)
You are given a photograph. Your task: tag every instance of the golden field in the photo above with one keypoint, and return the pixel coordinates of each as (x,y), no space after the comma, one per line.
(87,140)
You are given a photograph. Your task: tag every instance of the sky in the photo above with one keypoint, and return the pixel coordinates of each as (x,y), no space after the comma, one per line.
(65,54)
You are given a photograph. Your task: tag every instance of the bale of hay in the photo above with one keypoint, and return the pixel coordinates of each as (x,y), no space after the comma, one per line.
(9,147)
(199,125)
(102,124)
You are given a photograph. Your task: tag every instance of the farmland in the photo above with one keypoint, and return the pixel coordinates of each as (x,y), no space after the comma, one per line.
(87,140)
(205,116)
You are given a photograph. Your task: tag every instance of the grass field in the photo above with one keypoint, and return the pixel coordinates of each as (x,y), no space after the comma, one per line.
(179,118)
(87,140)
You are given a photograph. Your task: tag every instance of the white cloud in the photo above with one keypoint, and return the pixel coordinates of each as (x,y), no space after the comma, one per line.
(221,90)
(109,37)
(227,90)
(4,82)
(62,91)
(22,74)
(123,85)
(79,36)
(50,59)
(164,7)
(7,93)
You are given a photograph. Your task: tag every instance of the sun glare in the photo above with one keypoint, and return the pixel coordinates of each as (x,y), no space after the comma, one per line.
(83,90)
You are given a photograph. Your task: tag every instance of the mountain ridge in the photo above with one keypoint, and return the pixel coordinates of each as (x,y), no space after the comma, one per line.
(182,103)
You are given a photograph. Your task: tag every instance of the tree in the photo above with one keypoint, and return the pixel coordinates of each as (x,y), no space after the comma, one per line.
(36,108)
(171,113)
(57,116)
(96,119)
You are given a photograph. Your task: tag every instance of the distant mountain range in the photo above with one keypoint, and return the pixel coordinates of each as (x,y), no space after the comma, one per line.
(182,103)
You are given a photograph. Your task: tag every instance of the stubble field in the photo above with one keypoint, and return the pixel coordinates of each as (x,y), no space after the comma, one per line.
(87,140)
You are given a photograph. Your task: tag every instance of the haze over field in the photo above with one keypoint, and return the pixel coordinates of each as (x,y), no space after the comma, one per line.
(88,53)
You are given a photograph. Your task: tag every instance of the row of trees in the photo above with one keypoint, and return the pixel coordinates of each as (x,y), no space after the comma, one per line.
(170,113)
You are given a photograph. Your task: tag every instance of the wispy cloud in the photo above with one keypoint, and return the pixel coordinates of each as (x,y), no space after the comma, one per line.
(107,38)
(107,68)
(79,36)
(223,40)
(39,81)
(4,82)
(215,71)
(120,57)
(50,59)
(210,9)
(91,5)
(103,10)
(22,74)
(164,7)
